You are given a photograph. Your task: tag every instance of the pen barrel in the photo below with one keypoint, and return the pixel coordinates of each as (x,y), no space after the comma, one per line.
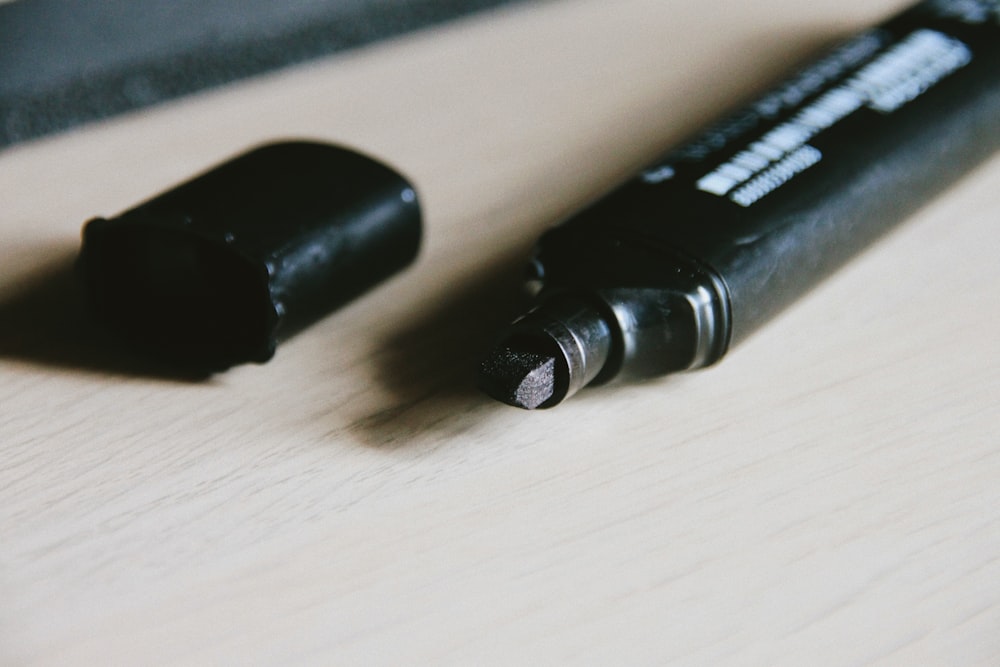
(780,194)
(853,181)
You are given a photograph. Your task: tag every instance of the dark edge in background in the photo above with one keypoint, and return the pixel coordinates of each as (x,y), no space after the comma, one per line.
(66,62)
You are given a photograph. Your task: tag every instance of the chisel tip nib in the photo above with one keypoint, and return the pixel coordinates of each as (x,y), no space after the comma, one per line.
(520,378)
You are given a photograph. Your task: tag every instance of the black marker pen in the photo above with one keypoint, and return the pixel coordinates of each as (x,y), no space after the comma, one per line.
(670,270)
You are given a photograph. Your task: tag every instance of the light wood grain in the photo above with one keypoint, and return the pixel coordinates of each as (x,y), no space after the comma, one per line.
(827,495)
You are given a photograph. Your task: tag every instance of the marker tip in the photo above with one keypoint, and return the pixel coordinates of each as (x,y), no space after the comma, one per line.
(520,378)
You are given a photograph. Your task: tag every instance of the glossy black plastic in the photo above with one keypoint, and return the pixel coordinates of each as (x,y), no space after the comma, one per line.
(217,270)
(699,250)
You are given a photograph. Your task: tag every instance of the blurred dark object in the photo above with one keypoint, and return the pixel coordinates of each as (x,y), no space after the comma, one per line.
(215,271)
(65,62)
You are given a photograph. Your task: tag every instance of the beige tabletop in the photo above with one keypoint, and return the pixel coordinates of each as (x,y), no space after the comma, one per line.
(829,494)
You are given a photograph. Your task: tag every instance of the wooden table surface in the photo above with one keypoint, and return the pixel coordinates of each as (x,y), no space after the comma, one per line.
(829,494)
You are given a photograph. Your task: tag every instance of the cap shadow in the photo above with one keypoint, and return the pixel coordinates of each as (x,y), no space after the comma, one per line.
(45,321)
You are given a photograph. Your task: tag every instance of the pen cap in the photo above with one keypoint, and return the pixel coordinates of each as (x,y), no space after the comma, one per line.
(215,271)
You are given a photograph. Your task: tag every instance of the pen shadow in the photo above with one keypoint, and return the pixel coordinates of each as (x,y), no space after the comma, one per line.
(44,321)
(429,366)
